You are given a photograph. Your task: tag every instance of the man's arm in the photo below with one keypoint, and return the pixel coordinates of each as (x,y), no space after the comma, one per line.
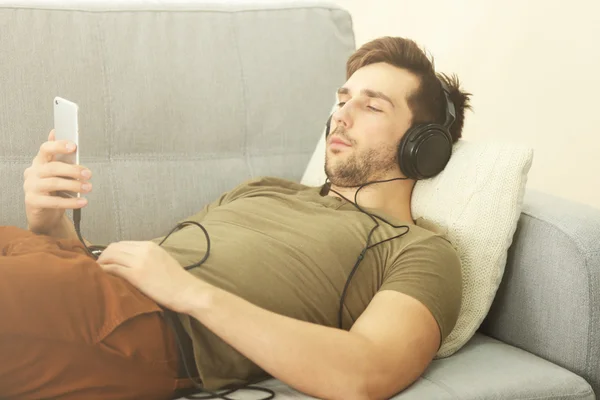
(386,350)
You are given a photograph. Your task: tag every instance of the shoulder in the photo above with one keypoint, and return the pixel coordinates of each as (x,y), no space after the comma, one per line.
(428,269)
(431,239)
(428,247)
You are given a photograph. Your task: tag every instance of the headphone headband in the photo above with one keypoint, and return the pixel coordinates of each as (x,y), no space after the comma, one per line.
(450,110)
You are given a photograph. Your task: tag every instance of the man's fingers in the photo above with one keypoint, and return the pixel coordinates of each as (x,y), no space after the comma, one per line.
(133,243)
(52,185)
(46,201)
(116,254)
(49,149)
(57,168)
(115,269)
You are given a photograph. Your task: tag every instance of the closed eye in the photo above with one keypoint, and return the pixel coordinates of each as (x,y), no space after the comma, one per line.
(342,103)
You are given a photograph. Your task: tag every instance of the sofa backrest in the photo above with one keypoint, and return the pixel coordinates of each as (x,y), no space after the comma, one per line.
(178,101)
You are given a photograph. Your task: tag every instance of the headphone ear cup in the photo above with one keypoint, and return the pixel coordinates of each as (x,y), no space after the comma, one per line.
(404,155)
(424,151)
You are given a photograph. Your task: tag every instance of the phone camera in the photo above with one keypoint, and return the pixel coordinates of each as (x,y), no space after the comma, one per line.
(55,101)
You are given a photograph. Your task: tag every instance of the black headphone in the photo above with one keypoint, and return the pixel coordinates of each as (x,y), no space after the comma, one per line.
(425,149)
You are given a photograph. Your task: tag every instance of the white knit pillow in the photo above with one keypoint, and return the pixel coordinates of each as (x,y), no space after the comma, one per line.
(476,203)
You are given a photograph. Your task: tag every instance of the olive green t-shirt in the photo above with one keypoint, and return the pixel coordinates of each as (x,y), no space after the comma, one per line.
(286,248)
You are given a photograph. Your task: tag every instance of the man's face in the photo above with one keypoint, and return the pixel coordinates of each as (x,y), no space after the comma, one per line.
(371,118)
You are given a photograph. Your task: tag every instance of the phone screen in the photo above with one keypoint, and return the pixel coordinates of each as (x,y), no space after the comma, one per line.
(66,127)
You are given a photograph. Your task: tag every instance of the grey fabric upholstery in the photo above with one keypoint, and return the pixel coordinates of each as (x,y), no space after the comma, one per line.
(176,106)
(549,299)
(179,103)
(485,369)
(488,369)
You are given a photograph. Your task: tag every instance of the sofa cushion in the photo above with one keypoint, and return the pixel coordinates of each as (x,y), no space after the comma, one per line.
(477,199)
(179,101)
(484,369)
(476,203)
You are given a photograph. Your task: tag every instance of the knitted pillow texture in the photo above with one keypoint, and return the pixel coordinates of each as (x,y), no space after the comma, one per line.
(475,203)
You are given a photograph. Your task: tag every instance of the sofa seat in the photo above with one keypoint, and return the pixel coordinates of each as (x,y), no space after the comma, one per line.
(484,369)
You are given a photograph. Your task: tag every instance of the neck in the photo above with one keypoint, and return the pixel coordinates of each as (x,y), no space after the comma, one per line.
(391,198)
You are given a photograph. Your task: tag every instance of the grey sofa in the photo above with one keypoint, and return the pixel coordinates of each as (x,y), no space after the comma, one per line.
(179,103)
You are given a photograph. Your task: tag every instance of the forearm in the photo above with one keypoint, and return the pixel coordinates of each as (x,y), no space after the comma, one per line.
(323,362)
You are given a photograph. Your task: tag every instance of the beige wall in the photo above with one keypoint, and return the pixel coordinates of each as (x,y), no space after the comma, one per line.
(533,67)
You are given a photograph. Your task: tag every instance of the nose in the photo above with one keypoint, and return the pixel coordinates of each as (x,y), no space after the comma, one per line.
(341,117)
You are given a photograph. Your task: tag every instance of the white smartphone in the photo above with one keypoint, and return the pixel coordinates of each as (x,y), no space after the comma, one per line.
(66,127)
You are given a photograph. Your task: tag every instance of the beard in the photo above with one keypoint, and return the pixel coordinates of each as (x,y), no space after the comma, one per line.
(361,166)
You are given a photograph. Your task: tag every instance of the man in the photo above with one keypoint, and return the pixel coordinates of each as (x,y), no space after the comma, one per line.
(269,297)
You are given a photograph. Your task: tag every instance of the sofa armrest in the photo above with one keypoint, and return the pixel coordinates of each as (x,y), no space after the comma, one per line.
(549,300)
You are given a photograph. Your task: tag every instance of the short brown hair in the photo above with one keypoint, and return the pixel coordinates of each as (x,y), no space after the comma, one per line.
(427,103)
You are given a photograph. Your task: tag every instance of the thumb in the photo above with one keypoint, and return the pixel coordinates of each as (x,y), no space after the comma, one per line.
(51,137)
(115,269)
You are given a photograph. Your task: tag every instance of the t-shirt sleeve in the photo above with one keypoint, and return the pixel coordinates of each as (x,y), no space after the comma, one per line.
(430,272)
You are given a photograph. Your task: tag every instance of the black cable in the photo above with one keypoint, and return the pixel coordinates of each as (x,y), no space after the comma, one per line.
(211,395)
(95,252)
(183,224)
(362,253)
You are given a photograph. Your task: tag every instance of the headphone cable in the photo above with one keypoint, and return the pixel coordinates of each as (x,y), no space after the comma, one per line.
(364,250)
(95,251)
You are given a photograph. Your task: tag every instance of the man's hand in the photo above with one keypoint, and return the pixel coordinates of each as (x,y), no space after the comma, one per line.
(44,207)
(152,270)
(387,349)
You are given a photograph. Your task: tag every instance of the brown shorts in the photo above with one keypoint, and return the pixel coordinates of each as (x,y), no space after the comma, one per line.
(69,330)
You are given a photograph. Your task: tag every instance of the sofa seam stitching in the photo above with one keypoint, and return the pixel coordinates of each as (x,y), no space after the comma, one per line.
(244,94)
(442,386)
(109,132)
(175,156)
